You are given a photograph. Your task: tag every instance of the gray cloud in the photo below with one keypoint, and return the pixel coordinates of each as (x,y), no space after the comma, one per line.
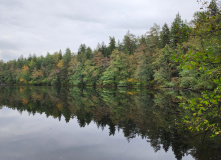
(4,44)
(39,26)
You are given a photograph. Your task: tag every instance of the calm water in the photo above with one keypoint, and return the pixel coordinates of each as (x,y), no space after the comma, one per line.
(51,123)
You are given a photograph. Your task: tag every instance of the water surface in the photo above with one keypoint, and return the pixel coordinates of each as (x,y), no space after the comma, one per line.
(58,123)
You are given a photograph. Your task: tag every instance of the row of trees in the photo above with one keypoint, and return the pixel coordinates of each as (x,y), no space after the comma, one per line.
(183,55)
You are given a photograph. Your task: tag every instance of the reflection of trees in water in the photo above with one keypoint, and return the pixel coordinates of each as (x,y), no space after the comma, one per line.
(152,116)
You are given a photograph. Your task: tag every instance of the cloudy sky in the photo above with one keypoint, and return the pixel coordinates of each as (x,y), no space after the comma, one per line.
(41,26)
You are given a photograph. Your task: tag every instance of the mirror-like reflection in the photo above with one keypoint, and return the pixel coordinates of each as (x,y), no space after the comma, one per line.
(151,115)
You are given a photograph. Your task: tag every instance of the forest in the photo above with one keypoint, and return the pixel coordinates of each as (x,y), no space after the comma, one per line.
(185,55)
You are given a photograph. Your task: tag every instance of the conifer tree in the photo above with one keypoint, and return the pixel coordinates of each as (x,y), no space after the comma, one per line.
(164,36)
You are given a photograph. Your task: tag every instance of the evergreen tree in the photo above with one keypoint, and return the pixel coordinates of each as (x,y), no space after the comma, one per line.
(164,36)
(153,41)
(129,43)
(144,70)
(179,31)
(104,50)
(66,59)
(112,45)
(175,30)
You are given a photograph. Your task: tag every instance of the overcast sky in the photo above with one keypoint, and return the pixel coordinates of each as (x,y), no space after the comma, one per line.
(41,26)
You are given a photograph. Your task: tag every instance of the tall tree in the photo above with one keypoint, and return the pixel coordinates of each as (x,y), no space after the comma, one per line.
(153,38)
(175,30)
(112,45)
(144,69)
(179,31)
(129,43)
(164,36)
(66,59)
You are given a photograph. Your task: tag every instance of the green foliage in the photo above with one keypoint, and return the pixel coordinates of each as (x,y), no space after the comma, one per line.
(118,70)
(77,78)
(164,66)
(122,84)
(144,71)
(201,66)
(189,79)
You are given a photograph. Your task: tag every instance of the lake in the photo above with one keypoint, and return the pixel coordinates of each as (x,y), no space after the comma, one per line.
(51,123)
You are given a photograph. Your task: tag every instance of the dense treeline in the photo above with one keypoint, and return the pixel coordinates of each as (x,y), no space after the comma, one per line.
(152,115)
(183,55)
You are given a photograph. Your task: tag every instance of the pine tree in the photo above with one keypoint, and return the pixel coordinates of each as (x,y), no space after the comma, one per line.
(175,30)
(112,45)
(153,38)
(164,36)
(66,59)
(179,31)
(129,43)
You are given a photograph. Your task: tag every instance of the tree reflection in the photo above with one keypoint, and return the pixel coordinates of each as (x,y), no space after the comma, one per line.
(152,115)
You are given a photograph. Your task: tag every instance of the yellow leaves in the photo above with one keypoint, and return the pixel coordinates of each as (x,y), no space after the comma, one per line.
(130,93)
(31,63)
(218,132)
(130,80)
(25,68)
(60,64)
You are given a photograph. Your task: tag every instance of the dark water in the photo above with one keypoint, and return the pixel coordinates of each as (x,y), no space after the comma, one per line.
(51,123)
